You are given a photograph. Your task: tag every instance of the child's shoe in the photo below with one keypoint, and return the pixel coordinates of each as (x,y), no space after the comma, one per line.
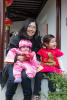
(18,80)
(35,97)
(30,77)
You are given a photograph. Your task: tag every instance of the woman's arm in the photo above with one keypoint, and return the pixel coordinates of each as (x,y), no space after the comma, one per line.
(37,47)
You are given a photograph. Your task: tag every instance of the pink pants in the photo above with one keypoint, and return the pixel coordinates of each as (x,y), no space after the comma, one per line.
(19,66)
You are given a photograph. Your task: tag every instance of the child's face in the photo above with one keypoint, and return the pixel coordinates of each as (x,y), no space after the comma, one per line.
(52,44)
(25,48)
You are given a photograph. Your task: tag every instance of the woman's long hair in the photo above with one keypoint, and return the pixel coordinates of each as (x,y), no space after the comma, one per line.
(23,31)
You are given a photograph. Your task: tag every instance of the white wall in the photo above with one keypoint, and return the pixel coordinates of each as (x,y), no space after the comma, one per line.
(16,26)
(48,16)
(64,32)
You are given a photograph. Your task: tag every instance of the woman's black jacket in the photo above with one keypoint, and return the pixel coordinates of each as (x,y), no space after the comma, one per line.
(14,43)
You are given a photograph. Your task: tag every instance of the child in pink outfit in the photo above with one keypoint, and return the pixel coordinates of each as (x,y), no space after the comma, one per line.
(30,63)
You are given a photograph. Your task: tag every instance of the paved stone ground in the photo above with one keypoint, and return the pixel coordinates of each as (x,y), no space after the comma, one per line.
(19,92)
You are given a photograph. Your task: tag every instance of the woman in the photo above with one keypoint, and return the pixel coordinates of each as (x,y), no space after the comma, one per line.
(29,31)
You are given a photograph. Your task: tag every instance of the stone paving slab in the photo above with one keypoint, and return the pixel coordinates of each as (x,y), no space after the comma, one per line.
(19,93)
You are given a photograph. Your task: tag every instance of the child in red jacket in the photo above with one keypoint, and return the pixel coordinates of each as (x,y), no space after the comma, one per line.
(50,55)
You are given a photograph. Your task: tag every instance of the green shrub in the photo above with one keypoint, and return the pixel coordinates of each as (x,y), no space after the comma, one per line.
(61,88)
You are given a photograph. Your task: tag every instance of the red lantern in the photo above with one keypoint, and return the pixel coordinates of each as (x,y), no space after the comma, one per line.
(8,2)
(8,22)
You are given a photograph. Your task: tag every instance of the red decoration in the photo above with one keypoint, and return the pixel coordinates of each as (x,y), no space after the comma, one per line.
(8,2)
(8,22)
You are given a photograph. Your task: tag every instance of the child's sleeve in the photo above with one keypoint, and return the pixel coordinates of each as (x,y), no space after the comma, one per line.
(59,53)
(10,56)
(36,63)
(42,52)
(34,59)
(33,56)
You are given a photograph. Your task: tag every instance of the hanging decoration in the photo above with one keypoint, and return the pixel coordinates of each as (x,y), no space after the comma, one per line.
(8,2)
(8,23)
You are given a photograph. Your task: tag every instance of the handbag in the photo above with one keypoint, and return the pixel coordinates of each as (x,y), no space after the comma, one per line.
(4,76)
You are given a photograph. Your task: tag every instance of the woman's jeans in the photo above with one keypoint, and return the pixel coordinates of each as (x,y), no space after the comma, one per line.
(25,84)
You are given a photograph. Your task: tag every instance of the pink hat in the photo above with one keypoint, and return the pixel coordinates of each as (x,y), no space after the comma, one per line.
(25,43)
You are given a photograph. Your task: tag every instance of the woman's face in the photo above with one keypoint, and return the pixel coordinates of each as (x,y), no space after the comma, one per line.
(31,29)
